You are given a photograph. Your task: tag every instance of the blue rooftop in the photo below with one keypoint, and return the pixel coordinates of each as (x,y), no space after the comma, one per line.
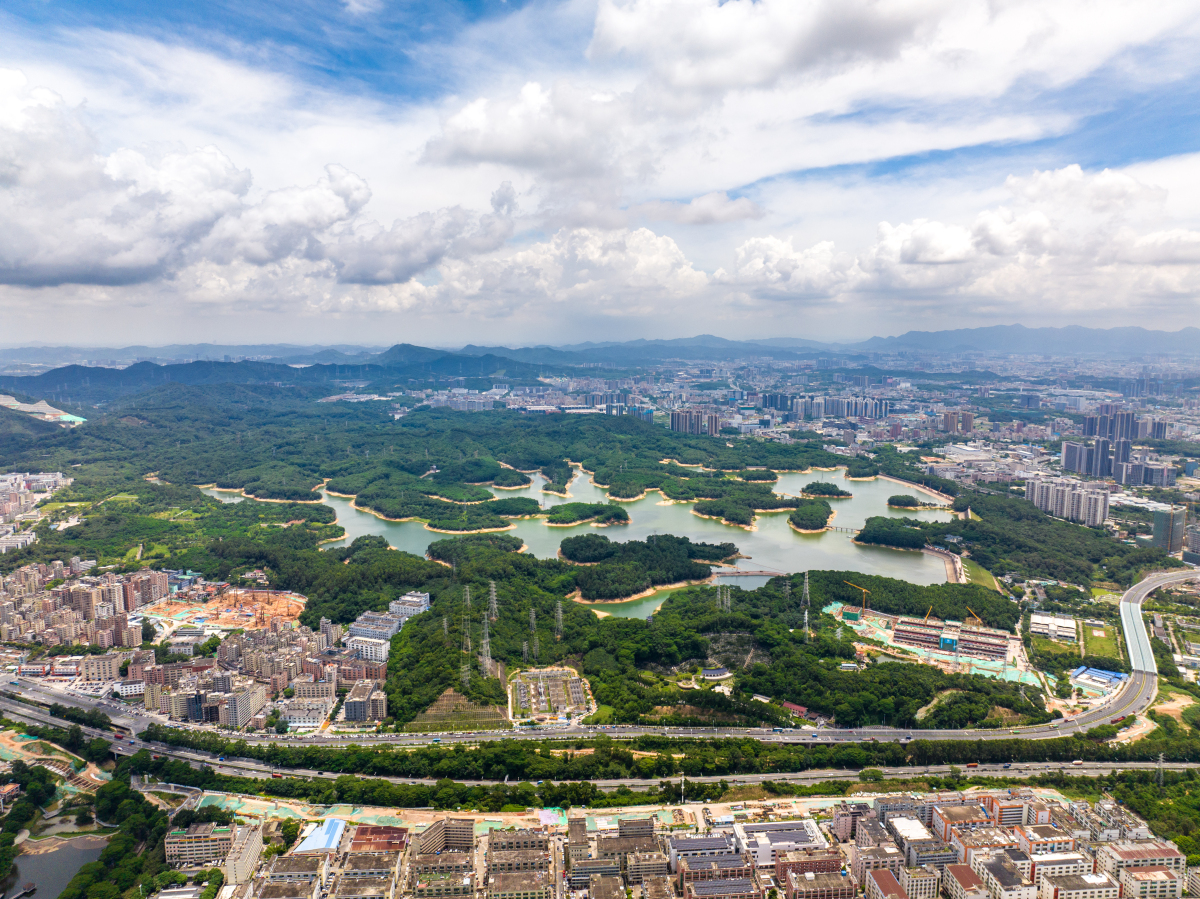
(326,838)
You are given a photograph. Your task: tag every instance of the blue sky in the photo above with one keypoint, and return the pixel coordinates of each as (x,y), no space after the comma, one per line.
(610,169)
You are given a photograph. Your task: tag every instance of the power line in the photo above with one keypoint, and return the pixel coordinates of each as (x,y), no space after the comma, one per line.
(485,650)
(465,672)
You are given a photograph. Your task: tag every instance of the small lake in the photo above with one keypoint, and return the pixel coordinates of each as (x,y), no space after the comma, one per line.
(225,496)
(773,546)
(52,871)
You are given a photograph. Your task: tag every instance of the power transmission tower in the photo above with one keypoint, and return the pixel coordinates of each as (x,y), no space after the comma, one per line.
(485,650)
(535,649)
(466,640)
(493,607)
(445,626)
(525,651)
(532,621)
(558,621)
(805,602)
(787,592)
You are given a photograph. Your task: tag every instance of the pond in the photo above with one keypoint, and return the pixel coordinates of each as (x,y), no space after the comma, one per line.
(52,871)
(773,545)
(225,496)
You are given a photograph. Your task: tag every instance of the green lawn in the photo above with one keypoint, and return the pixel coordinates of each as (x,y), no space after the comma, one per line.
(977,574)
(602,715)
(1102,646)
(1046,645)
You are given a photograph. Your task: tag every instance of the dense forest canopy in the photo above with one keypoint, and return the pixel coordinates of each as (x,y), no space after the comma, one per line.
(276,443)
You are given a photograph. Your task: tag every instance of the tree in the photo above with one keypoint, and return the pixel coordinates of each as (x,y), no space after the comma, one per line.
(281,726)
(289,830)
(148,630)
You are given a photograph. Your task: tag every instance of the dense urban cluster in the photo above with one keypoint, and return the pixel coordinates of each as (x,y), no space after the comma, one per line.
(20,494)
(196,673)
(984,844)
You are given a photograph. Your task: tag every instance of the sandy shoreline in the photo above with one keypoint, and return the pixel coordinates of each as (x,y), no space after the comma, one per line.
(645,594)
(828,525)
(50,844)
(918,487)
(511,527)
(239,491)
(744,527)
(592,521)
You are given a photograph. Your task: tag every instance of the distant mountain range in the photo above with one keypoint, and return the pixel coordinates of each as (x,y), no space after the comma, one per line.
(1019,339)
(28,366)
(80,384)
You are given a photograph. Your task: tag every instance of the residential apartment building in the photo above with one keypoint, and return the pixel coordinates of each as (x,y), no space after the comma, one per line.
(369,648)
(104,668)
(243,854)
(366,702)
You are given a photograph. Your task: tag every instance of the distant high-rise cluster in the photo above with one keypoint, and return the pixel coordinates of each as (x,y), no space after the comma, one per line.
(695,423)
(1105,458)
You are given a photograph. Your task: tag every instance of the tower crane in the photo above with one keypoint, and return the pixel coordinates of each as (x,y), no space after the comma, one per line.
(865,593)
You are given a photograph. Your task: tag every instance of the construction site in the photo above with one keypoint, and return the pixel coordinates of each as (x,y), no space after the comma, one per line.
(957,647)
(550,692)
(236,608)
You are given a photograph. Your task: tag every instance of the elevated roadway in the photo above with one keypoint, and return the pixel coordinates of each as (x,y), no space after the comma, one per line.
(1134,696)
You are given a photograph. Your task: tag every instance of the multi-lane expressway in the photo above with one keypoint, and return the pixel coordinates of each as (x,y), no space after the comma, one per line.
(1134,696)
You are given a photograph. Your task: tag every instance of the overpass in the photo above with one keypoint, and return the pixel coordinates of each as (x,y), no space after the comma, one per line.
(1135,695)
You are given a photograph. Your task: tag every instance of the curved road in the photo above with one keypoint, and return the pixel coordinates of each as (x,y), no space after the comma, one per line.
(1134,696)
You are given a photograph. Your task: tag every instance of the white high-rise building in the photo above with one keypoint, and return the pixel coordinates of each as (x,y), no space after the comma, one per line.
(1086,503)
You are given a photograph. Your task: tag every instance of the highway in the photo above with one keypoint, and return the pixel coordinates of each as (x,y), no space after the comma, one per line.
(1134,696)
(239,767)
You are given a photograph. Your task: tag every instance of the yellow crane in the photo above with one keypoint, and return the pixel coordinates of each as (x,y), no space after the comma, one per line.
(974,617)
(865,593)
(927,614)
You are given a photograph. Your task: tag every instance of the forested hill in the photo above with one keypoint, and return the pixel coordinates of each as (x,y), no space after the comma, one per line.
(276,443)
(80,384)
(628,661)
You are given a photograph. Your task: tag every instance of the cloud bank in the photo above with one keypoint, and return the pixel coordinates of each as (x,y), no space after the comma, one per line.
(676,175)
